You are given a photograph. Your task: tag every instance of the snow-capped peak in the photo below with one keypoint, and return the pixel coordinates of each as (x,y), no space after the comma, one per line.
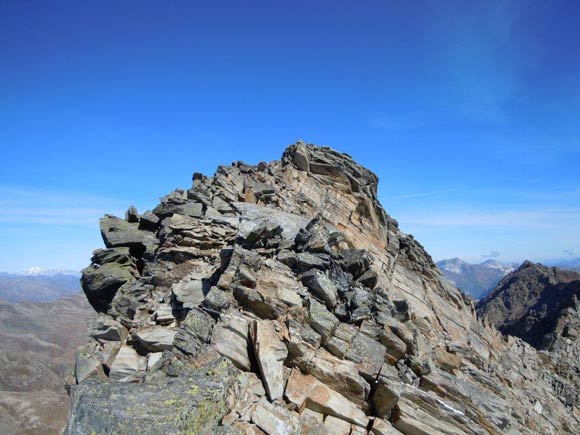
(39,271)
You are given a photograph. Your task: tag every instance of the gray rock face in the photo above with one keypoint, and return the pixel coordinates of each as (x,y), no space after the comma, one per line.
(281,298)
(193,402)
(111,269)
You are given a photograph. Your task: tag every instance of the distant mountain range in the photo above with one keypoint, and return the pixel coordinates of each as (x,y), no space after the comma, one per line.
(38,285)
(474,279)
(39,271)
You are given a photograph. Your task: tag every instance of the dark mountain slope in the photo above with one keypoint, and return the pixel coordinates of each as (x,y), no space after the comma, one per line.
(530,303)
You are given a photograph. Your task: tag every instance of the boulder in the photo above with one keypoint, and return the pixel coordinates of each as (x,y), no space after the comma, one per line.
(111,269)
(117,232)
(104,327)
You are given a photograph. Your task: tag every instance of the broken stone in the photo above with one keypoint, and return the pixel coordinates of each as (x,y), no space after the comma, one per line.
(87,365)
(386,395)
(104,327)
(148,221)
(355,261)
(340,342)
(270,354)
(382,427)
(117,232)
(194,332)
(447,361)
(322,287)
(164,314)
(340,375)
(307,390)
(321,320)
(306,261)
(189,291)
(273,419)
(396,348)
(336,426)
(131,215)
(368,279)
(230,338)
(156,339)
(128,366)
(218,300)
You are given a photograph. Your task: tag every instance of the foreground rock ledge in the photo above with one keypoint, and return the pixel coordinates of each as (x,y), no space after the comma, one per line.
(281,299)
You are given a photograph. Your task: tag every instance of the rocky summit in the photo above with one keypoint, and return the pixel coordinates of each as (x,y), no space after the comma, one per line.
(282,299)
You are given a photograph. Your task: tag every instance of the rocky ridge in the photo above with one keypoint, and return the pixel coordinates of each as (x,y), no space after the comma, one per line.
(282,299)
(540,305)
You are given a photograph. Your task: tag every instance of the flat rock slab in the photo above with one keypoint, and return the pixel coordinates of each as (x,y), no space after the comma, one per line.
(270,353)
(156,339)
(308,391)
(230,339)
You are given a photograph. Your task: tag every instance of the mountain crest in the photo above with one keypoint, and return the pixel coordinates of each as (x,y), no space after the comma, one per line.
(282,298)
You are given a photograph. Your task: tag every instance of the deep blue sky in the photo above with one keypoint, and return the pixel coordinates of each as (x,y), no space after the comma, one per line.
(469,111)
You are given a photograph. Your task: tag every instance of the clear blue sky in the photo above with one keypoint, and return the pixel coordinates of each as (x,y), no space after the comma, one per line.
(469,111)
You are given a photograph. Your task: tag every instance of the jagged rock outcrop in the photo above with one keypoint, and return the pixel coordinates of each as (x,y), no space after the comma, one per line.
(288,289)
(540,305)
